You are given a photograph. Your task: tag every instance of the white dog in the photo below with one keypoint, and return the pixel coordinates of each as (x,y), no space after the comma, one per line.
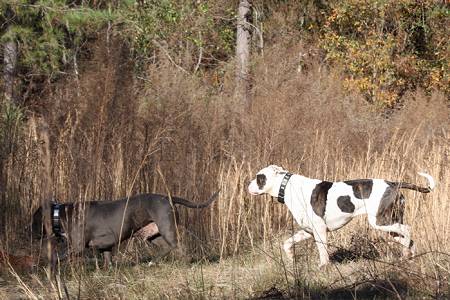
(320,206)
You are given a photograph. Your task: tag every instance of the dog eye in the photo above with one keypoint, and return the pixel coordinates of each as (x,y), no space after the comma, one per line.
(261,180)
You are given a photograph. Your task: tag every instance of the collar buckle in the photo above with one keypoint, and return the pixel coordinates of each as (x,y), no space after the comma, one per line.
(56,219)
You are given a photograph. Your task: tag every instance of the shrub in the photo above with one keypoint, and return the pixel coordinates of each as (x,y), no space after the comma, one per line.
(388,47)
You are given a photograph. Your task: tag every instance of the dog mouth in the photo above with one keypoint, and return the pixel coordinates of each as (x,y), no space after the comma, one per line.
(253,190)
(255,187)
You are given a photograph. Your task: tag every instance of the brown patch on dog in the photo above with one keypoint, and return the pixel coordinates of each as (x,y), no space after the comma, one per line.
(391,208)
(345,204)
(147,231)
(319,197)
(362,188)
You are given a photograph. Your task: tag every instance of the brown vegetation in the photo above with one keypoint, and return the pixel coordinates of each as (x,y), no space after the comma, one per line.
(23,263)
(111,133)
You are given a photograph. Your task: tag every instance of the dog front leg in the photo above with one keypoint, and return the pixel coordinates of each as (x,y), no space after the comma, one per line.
(297,237)
(53,256)
(107,259)
(320,237)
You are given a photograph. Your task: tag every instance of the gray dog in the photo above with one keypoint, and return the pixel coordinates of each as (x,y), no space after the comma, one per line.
(102,224)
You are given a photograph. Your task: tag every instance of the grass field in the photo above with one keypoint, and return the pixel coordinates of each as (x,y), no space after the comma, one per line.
(178,135)
(243,258)
(260,273)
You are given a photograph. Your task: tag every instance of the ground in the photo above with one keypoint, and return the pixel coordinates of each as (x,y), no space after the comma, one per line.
(259,273)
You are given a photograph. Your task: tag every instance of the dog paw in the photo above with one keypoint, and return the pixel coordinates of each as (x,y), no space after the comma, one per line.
(407,253)
(323,265)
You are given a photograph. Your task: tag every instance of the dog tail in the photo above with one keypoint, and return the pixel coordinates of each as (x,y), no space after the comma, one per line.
(190,204)
(431,184)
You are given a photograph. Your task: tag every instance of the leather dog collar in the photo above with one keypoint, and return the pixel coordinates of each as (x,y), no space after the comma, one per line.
(56,219)
(284,182)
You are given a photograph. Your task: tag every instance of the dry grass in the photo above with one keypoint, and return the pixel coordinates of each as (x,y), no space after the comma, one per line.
(110,136)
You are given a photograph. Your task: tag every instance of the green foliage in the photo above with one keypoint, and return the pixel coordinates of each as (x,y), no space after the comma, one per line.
(388,47)
(385,47)
(48,32)
(206,25)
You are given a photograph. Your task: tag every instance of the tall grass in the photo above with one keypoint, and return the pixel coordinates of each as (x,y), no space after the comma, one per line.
(115,136)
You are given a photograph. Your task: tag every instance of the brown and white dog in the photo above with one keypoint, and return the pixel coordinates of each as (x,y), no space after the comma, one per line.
(320,206)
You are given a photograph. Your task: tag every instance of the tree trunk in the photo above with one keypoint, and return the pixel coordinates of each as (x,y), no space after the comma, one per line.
(40,131)
(243,52)
(9,69)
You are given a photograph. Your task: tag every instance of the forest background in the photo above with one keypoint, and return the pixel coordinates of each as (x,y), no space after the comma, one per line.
(107,99)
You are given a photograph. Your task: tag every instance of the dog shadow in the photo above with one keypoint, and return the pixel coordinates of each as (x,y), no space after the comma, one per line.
(370,289)
(347,255)
(361,247)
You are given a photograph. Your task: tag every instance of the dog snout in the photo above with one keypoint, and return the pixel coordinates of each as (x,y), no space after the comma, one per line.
(253,188)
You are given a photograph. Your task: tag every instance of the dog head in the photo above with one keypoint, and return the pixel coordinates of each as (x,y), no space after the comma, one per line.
(268,181)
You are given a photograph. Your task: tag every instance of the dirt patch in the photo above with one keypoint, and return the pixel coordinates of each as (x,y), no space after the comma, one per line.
(8,291)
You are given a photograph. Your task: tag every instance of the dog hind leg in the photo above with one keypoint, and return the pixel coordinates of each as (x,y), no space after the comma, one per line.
(409,250)
(401,233)
(389,218)
(168,231)
(107,261)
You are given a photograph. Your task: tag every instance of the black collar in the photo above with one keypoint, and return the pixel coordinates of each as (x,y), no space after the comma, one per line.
(56,218)
(284,182)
